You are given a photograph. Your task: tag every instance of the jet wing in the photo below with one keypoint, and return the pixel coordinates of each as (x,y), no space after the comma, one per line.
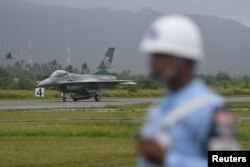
(96,83)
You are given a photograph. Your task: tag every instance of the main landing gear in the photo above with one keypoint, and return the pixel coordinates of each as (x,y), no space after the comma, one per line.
(98,95)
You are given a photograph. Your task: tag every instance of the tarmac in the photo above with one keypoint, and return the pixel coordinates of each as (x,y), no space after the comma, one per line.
(57,104)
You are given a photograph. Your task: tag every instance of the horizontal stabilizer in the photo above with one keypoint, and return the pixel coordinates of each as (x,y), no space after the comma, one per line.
(129,83)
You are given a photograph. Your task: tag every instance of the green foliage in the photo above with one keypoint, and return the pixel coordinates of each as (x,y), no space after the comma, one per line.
(219,79)
(149,84)
(135,93)
(8,56)
(85,68)
(26,83)
(27,94)
(231,90)
(4,82)
(70,68)
(12,85)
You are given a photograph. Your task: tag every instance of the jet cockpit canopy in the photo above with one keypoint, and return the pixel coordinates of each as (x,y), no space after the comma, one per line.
(59,73)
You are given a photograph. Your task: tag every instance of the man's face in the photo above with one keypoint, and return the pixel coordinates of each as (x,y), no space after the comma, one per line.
(161,65)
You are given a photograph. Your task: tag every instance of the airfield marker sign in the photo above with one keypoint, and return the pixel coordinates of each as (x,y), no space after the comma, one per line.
(39,92)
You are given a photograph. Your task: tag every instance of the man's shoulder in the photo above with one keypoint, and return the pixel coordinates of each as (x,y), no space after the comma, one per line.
(214,97)
(212,102)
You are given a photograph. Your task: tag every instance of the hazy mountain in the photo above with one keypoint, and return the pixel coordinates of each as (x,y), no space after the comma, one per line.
(91,32)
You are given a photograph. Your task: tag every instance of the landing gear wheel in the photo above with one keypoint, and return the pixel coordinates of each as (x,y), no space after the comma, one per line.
(64,95)
(97,97)
(75,100)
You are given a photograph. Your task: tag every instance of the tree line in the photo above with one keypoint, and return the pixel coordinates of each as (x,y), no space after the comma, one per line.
(20,75)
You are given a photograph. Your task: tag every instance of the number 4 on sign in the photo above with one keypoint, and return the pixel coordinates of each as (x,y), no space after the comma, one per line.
(39,92)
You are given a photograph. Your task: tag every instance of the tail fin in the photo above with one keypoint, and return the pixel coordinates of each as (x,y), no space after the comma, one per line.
(105,67)
(107,60)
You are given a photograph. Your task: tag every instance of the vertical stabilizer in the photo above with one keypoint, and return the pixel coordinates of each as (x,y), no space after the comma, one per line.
(105,67)
(106,63)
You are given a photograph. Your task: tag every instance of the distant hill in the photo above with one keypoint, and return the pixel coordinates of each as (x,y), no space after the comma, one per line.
(91,32)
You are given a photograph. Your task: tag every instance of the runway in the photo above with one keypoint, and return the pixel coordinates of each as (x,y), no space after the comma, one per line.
(57,104)
(238,99)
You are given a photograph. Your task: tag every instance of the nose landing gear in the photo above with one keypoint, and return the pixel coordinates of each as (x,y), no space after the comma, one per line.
(64,95)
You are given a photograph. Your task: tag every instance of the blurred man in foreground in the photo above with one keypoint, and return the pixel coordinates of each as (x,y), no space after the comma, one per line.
(191,118)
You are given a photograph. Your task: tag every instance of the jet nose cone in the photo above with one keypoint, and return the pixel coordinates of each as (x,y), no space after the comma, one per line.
(44,83)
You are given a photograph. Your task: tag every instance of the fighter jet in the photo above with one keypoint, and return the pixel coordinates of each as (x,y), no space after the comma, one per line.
(85,86)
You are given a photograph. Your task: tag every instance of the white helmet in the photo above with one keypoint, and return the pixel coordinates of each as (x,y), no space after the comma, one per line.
(177,35)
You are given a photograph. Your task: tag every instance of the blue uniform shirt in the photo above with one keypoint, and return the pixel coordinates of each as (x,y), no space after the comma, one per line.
(189,136)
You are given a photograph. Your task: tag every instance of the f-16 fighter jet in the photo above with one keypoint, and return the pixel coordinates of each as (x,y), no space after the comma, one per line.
(85,86)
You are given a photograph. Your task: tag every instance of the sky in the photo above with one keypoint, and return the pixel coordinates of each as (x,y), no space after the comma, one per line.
(232,9)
